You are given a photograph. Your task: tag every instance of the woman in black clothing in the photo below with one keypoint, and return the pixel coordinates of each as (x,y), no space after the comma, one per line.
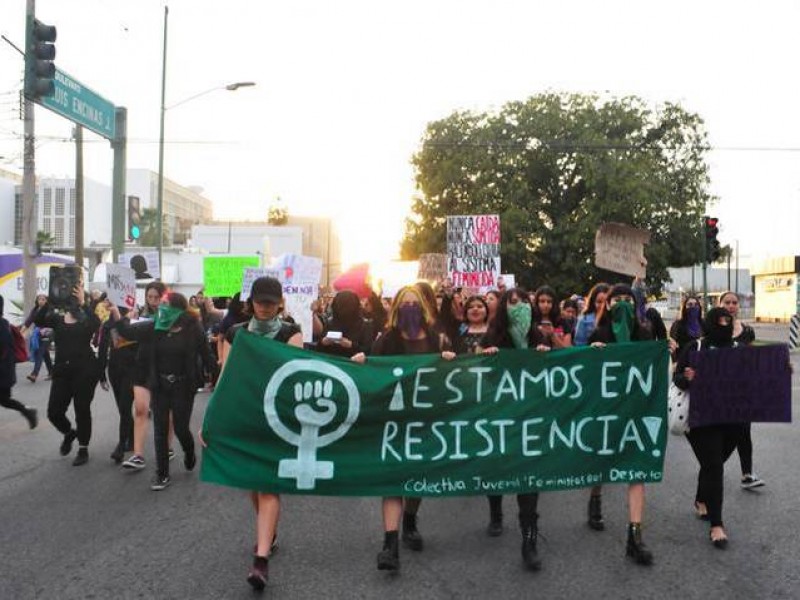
(712,444)
(471,331)
(42,353)
(375,313)
(8,372)
(619,323)
(689,327)
(75,372)
(410,331)
(513,328)
(177,339)
(347,332)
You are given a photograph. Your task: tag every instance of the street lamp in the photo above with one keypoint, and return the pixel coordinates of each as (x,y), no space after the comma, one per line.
(231,87)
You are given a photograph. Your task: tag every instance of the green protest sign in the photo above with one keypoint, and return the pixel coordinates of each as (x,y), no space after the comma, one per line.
(222,275)
(289,421)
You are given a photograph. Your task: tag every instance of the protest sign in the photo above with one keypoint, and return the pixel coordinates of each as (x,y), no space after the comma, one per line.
(751,384)
(432,267)
(144,263)
(620,248)
(121,285)
(289,421)
(473,250)
(222,275)
(297,301)
(253,273)
(299,269)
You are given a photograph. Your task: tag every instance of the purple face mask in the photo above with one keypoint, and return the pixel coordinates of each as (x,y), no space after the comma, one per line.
(693,325)
(409,320)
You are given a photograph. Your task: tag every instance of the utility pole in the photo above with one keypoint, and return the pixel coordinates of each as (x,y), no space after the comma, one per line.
(29,220)
(161,146)
(79,195)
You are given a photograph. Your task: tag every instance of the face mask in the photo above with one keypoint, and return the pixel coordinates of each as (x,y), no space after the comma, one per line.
(166,317)
(720,336)
(622,321)
(409,320)
(693,325)
(519,317)
(267,327)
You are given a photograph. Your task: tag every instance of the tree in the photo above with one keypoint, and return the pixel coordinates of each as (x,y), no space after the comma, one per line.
(149,226)
(557,166)
(44,240)
(277,214)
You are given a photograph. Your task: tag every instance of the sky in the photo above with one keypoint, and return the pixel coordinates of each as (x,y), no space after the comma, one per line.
(345,89)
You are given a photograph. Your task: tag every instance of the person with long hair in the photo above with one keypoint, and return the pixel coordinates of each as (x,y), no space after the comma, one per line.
(471,331)
(513,328)
(177,340)
(592,311)
(375,312)
(712,444)
(492,302)
(689,325)
(8,373)
(619,323)
(44,335)
(552,330)
(410,330)
(743,335)
(347,332)
(143,380)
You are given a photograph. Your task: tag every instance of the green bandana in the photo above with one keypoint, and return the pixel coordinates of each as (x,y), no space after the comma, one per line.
(268,328)
(622,321)
(519,316)
(166,317)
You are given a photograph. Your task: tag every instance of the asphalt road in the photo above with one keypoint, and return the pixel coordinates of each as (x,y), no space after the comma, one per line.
(98,532)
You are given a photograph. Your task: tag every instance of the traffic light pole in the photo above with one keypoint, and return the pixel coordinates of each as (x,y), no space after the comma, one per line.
(28,193)
(119,145)
(705,265)
(79,195)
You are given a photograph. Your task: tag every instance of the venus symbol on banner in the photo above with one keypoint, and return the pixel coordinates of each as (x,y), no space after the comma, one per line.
(310,396)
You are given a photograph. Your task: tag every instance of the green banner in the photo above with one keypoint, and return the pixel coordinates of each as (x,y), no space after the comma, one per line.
(286,420)
(222,275)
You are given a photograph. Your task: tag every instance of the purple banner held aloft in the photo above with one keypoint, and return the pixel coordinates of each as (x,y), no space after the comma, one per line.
(751,384)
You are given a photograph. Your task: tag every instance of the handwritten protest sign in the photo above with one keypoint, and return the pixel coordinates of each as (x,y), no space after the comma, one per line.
(222,275)
(473,250)
(253,273)
(620,248)
(299,269)
(752,384)
(144,263)
(121,285)
(297,301)
(432,267)
(290,421)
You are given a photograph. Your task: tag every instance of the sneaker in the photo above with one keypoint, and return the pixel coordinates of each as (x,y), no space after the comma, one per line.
(171,454)
(752,481)
(31,378)
(33,417)
(134,463)
(259,573)
(66,445)
(82,457)
(159,483)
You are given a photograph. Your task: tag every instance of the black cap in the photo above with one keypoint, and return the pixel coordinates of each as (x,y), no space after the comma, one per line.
(266,289)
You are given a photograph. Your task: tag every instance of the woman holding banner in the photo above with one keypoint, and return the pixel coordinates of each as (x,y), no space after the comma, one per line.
(264,304)
(411,330)
(712,444)
(593,310)
(513,328)
(618,323)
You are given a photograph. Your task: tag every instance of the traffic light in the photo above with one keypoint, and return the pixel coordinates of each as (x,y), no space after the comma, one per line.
(39,55)
(134,218)
(711,229)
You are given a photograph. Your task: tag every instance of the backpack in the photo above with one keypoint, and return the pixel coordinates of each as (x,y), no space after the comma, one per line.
(20,345)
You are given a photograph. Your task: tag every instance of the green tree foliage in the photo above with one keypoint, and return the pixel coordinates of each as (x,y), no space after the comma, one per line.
(557,166)
(149,225)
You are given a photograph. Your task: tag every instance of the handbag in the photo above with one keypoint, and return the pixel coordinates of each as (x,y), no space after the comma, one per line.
(678,410)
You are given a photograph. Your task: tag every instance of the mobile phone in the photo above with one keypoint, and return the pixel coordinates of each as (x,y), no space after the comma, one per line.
(334,336)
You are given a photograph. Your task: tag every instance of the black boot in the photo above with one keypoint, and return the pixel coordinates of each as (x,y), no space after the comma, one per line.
(596,513)
(389,557)
(530,536)
(495,527)
(635,548)
(82,457)
(411,537)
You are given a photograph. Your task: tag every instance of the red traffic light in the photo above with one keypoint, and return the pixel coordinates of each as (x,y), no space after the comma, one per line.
(711,222)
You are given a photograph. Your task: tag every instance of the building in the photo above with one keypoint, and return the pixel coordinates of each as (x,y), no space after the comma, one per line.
(777,288)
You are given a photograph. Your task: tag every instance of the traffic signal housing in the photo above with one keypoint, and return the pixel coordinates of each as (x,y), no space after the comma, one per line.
(711,230)
(40,51)
(134,218)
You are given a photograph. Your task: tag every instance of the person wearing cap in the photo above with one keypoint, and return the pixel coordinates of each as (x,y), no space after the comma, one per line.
(264,304)
(619,323)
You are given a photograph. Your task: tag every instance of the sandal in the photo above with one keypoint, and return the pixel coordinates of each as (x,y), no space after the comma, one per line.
(700,511)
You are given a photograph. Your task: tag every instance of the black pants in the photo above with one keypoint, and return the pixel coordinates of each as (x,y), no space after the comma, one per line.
(73,383)
(527,504)
(7,401)
(713,445)
(121,365)
(745,449)
(179,399)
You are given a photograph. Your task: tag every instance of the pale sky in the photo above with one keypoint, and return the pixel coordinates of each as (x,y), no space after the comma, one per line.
(345,89)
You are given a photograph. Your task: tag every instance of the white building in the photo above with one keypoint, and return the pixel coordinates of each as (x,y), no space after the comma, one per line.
(238,239)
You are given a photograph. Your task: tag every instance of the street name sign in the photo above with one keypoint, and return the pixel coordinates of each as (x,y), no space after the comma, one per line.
(81,105)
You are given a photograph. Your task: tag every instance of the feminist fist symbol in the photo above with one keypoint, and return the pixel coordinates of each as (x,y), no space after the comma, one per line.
(306,469)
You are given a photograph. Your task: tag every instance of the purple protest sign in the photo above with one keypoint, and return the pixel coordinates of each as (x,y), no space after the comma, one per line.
(751,384)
